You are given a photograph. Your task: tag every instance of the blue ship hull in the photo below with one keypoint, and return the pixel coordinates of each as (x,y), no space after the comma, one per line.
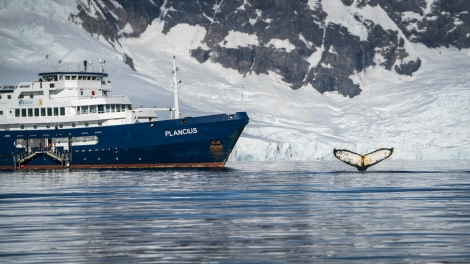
(205,141)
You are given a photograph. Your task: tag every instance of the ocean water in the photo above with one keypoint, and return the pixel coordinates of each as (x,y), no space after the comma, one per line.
(282,212)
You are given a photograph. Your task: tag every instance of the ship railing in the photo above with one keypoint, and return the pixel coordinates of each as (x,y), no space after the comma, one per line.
(60,155)
(7,88)
(105,96)
(119,96)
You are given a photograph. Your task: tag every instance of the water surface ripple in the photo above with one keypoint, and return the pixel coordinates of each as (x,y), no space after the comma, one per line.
(297,212)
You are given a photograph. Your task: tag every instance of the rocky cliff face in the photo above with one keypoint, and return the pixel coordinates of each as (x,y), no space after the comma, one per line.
(324,48)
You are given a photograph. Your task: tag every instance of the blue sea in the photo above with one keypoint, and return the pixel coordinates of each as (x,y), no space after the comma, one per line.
(249,212)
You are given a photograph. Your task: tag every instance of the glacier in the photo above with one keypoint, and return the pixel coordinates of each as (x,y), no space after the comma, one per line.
(424,117)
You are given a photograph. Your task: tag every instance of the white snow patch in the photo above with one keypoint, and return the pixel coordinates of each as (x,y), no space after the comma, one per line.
(282,44)
(236,39)
(242,6)
(378,16)
(116,4)
(314,4)
(307,43)
(429,5)
(408,15)
(127,29)
(253,21)
(180,39)
(340,14)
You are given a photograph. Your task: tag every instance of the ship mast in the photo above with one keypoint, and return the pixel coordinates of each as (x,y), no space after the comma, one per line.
(176,106)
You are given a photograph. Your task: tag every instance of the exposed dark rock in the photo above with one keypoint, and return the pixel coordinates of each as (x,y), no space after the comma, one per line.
(327,80)
(447,24)
(129,61)
(201,55)
(409,67)
(104,18)
(240,59)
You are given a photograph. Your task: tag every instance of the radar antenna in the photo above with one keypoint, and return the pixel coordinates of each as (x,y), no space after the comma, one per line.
(47,62)
(102,62)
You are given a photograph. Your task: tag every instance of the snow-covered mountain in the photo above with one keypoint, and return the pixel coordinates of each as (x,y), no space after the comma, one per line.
(313,75)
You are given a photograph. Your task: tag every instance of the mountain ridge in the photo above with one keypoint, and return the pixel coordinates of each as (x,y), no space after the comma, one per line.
(304,24)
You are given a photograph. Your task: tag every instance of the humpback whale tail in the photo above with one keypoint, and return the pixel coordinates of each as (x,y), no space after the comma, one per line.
(362,162)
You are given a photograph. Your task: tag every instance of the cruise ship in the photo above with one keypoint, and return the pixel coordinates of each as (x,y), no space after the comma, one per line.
(69,119)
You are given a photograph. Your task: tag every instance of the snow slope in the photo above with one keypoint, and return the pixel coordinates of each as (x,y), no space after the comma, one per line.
(425,116)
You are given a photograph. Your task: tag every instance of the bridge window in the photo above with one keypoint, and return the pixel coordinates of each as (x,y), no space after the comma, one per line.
(49,111)
(56,111)
(17,113)
(36,111)
(23,112)
(92,109)
(62,111)
(85,109)
(43,111)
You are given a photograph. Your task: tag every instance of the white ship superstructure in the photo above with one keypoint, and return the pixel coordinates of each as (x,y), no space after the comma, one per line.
(66,99)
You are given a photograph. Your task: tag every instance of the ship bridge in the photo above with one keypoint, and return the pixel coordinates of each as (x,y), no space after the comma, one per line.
(73,80)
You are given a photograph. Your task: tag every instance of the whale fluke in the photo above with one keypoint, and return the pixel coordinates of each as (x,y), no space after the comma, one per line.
(362,162)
